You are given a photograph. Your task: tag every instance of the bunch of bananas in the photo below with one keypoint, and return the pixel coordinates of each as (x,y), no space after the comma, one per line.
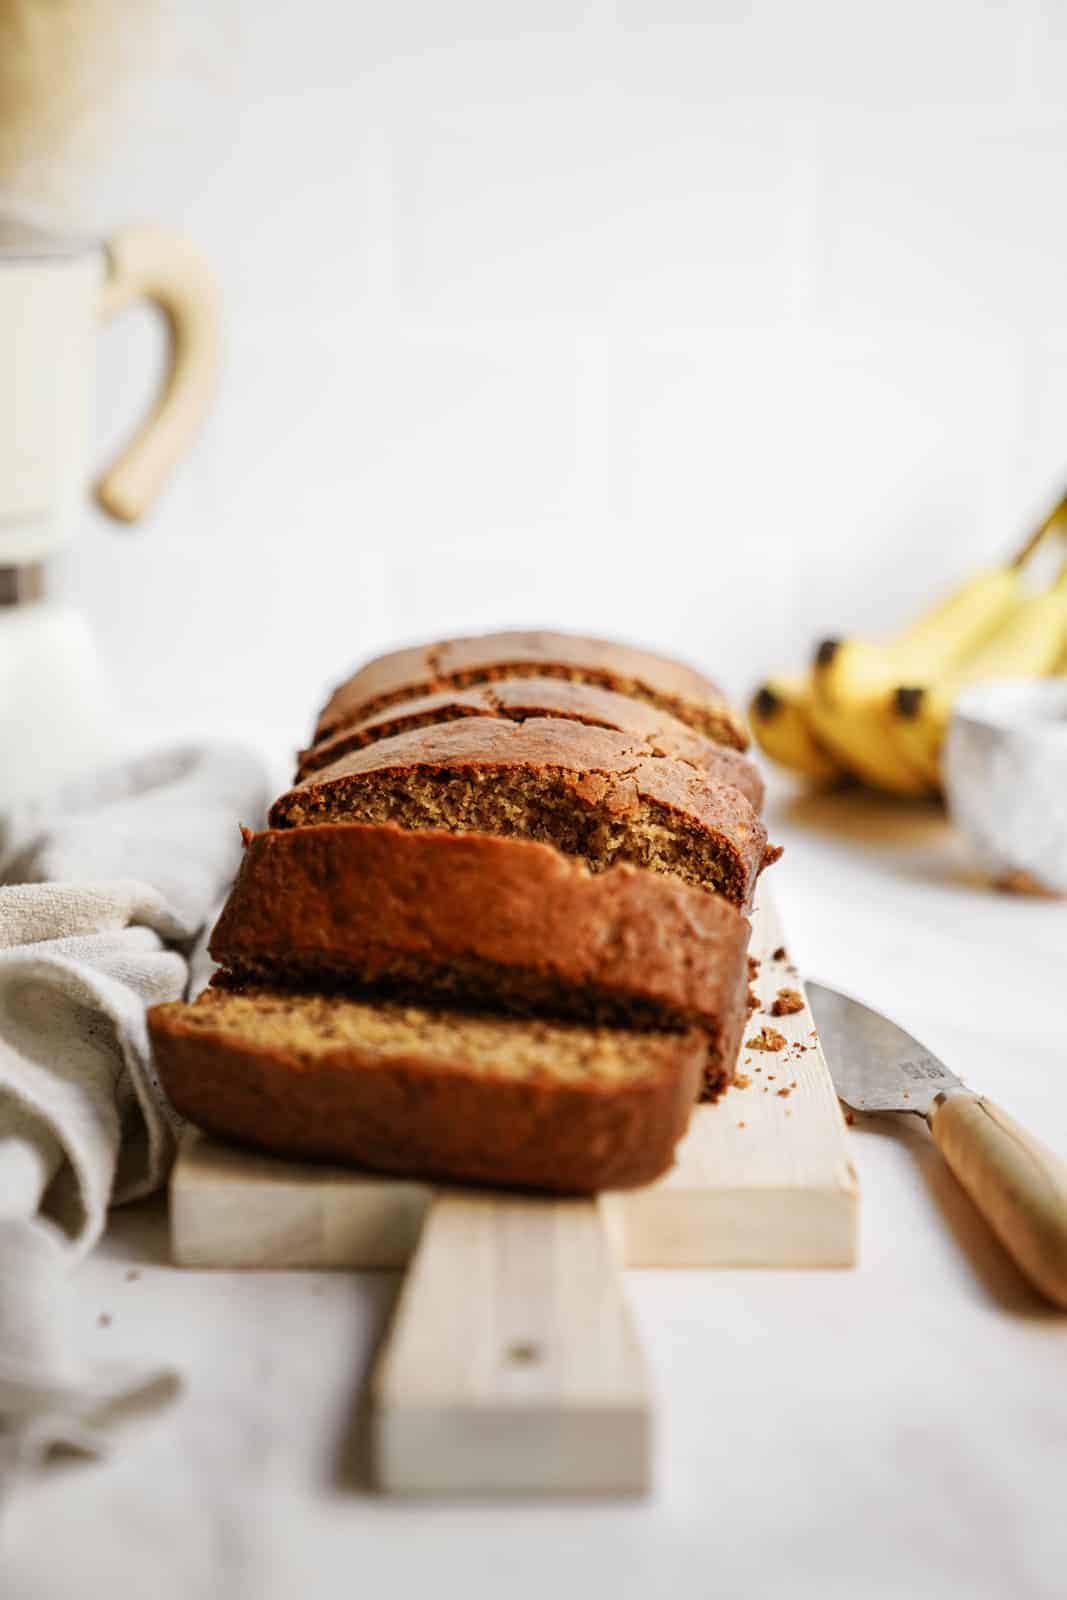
(878,713)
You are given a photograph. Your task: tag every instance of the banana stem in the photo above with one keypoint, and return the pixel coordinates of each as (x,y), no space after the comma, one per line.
(1021,558)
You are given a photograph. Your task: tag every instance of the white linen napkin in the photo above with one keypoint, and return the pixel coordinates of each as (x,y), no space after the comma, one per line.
(105,889)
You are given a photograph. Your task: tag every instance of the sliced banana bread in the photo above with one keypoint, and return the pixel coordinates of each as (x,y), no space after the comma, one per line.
(457,663)
(521,698)
(588,791)
(488,923)
(538,1105)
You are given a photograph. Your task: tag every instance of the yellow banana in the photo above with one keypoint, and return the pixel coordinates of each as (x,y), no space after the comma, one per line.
(851,669)
(855,678)
(853,731)
(780,718)
(840,720)
(1030,644)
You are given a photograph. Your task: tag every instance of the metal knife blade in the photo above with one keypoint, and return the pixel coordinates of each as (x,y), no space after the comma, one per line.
(875,1065)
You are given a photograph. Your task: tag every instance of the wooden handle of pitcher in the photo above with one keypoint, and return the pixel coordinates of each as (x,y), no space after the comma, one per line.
(149,263)
(1017,1183)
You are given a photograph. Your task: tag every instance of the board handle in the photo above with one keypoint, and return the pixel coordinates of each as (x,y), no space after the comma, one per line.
(1017,1183)
(512,1365)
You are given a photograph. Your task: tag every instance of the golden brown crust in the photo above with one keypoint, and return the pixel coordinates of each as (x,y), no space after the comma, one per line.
(501,922)
(401,1111)
(589,791)
(523,698)
(457,663)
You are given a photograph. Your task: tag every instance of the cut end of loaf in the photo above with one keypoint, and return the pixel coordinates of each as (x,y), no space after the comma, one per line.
(547,806)
(429,1094)
(315,1026)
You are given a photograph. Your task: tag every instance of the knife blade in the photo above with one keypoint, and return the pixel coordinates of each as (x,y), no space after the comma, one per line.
(875,1065)
(1018,1184)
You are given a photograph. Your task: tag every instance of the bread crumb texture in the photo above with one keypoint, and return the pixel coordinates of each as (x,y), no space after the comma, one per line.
(787,1003)
(312,1027)
(767,1039)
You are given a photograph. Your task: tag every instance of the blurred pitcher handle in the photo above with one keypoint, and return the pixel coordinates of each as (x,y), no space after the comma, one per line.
(149,263)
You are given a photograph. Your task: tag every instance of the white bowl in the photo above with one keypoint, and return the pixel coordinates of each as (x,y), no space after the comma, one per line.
(1005,771)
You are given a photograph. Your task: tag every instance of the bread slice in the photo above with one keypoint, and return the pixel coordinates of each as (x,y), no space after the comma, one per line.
(590,792)
(426,1094)
(457,663)
(488,923)
(522,698)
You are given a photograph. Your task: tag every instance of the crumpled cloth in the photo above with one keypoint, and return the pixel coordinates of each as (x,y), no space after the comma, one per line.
(107,891)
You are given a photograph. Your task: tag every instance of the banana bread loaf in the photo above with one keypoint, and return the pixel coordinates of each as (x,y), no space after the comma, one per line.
(521,698)
(457,663)
(590,792)
(487,923)
(538,1105)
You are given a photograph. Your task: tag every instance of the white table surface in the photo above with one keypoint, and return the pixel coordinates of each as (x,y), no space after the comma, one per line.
(896,1430)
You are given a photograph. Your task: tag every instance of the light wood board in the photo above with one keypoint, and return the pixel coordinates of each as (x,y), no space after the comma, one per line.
(762,1179)
(512,1364)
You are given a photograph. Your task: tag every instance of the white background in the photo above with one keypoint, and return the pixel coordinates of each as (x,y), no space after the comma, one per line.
(719,325)
(722,326)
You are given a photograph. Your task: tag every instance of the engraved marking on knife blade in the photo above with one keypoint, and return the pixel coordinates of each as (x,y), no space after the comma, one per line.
(921,1068)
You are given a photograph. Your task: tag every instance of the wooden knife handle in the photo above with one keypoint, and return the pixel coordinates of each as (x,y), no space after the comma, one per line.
(1016,1182)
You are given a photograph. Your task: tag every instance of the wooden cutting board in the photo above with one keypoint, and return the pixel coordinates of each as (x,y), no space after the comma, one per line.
(512,1363)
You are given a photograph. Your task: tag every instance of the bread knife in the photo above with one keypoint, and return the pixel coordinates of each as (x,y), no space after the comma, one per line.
(1016,1182)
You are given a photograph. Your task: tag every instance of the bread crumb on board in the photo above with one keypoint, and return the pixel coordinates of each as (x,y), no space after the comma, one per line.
(787,1002)
(766,1039)
(753,968)
(742,1080)
(780,954)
